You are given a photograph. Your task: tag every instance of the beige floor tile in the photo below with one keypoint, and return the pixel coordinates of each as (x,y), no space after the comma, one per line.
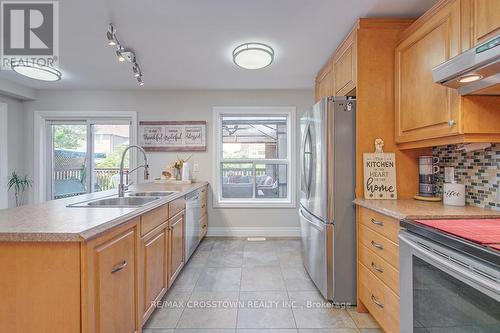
(363,320)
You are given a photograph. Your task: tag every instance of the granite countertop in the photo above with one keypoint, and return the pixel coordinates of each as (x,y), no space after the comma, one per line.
(53,221)
(415,209)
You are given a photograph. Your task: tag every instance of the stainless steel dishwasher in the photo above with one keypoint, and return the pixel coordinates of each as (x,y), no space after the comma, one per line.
(193,207)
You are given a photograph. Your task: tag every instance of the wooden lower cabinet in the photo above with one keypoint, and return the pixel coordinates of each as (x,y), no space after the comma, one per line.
(203,212)
(378,267)
(155,252)
(380,300)
(112,282)
(176,242)
(203,226)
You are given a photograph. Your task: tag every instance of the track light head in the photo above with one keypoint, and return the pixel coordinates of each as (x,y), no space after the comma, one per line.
(139,81)
(137,70)
(120,56)
(111,35)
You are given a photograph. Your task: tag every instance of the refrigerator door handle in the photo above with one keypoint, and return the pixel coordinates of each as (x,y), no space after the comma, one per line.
(317,225)
(306,176)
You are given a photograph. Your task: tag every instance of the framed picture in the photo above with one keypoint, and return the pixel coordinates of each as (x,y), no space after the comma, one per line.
(173,136)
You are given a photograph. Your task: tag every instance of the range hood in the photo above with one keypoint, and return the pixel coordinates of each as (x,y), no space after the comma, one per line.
(473,72)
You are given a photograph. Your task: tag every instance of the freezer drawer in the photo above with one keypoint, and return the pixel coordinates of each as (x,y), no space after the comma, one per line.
(314,250)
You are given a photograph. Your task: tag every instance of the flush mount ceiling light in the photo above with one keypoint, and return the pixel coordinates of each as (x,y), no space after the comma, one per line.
(469,78)
(37,72)
(123,54)
(253,55)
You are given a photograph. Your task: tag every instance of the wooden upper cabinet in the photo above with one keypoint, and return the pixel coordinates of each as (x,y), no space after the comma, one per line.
(486,19)
(344,66)
(426,113)
(324,82)
(423,108)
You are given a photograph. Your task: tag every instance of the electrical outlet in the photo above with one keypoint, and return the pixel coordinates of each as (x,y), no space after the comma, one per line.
(196,167)
(498,192)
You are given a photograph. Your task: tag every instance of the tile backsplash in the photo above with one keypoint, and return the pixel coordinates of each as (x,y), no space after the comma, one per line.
(479,170)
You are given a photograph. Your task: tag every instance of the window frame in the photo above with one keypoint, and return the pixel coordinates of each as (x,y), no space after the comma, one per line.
(290,161)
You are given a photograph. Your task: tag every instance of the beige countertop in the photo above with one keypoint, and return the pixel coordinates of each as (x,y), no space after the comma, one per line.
(53,221)
(415,209)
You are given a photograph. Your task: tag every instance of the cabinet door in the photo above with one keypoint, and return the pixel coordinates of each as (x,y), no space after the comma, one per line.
(324,82)
(155,263)
(203,226)
(345,67)
(486,19)
(176,241)
(115,286)
(425,109)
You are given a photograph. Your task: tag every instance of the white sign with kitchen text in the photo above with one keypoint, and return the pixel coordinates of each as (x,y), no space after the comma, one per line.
(380,176)
(173,135)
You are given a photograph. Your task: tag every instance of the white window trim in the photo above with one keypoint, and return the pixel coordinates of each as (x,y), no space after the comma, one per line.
(4,160)
(40,141)
(290,112)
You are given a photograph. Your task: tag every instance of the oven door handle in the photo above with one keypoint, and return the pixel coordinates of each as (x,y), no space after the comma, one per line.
(445,264)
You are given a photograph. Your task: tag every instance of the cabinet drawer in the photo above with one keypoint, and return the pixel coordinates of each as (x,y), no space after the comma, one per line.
(380,268)
(383,247)
(154,218)
(203,226)
(384,225)
(176,206)
(382,303)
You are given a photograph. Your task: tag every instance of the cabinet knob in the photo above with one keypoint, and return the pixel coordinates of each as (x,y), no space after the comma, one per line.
(451,122)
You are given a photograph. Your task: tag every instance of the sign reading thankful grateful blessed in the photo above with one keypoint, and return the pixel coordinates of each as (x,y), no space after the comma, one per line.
(173,135)
(380,173)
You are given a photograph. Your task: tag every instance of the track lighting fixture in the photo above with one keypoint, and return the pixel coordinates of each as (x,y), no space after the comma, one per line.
(124,54)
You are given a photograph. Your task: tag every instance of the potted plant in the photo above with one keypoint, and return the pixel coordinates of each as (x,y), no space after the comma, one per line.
(20,185)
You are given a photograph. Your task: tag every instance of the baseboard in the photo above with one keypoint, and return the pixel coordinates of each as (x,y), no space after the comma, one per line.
(253,231)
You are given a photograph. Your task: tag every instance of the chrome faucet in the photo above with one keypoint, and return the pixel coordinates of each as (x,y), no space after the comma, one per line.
(122,187)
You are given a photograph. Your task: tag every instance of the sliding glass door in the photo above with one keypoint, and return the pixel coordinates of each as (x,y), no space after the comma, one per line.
(84,155)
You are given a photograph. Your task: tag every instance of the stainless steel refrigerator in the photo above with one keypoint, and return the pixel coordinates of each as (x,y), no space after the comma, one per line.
(327,215)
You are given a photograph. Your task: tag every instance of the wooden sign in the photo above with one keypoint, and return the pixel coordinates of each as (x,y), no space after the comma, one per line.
(173,136)
(380,173)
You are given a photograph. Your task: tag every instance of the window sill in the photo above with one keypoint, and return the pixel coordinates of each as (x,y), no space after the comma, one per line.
(254,204)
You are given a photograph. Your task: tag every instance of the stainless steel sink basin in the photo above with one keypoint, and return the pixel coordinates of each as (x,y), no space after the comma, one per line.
(118,202)
(151,194)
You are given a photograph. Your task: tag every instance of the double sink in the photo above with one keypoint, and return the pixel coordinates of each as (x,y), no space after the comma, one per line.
(130,200)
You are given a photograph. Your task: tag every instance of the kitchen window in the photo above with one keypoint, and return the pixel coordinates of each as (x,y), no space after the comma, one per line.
(254,160)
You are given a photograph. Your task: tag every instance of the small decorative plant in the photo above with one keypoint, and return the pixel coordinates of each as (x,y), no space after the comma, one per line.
(20,185)
(176,166)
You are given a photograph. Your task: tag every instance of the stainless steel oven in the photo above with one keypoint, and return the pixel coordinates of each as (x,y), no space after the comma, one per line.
(445,290)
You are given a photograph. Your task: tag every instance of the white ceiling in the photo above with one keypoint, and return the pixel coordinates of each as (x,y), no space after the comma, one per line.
(187,44)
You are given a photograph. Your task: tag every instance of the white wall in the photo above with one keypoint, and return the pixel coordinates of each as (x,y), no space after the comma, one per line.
(15,139)
(184,105)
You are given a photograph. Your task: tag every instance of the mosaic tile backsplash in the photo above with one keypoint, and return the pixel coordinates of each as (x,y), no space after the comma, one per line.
(478,170)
